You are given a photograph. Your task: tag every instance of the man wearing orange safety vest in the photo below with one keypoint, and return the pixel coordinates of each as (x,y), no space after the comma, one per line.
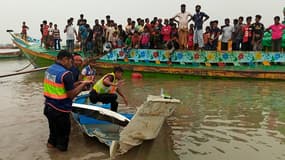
(104,89)
(59,92)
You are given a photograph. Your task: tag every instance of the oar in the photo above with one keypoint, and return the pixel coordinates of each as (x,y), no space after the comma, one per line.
(23,72)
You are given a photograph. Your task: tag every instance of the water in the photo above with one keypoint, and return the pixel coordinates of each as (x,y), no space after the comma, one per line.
(218,120)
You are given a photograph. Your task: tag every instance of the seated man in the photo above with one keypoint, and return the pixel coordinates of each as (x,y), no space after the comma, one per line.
(88,73)
(104,89)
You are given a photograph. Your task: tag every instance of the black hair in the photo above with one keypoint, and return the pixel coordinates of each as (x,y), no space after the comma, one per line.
(277,18)
(183,5)
(63,53)
(248,18)
(258,16)
(118,69)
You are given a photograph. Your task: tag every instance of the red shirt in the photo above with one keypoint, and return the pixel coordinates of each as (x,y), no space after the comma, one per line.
(165,31)
(247,32)
(45,30)
(190,40)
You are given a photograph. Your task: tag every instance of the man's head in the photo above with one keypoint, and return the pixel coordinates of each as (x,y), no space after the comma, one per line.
(257,18)
(197,8)
(227,21)
(118,73)
(248,19)
(64,58)
(276,19)
(183,8)
(77,60)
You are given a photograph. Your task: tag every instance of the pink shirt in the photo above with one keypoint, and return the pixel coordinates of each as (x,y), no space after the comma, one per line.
(277,30)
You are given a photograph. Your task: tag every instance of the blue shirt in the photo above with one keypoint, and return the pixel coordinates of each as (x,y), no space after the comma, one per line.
(198,20)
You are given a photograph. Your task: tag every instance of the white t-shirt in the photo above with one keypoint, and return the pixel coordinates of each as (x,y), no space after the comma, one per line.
(183,19)
(227,33)
(70,30)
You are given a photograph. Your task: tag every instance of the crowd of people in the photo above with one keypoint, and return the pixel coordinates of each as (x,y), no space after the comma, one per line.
(177,31)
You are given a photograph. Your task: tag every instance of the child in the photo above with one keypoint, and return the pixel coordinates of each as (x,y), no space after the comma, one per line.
(206,38)
(88,73)
(136,40)
(190,43)
(145,37)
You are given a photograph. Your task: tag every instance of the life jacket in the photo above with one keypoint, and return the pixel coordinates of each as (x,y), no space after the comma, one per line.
(54,90)
(100,88)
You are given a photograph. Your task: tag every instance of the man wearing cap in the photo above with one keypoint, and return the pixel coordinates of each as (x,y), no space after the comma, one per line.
(183,20)
(59,92)
(105,89)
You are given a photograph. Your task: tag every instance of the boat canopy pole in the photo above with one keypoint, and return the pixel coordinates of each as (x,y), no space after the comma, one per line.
(23,72)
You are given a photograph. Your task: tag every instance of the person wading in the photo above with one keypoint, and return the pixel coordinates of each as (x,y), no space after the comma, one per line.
(59,92)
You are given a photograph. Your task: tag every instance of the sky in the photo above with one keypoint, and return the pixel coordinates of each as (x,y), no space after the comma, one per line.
(14,12)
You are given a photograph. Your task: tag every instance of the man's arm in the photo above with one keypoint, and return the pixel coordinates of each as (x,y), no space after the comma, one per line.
(123,96)
(73,91)
(206,17)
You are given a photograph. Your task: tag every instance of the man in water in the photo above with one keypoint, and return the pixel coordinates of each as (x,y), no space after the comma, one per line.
(183,20)
(59,92)
(105,88)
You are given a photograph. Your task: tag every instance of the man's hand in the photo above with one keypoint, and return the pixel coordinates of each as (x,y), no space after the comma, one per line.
(120,83)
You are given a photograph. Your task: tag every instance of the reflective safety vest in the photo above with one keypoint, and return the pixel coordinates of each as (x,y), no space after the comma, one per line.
(100,88)
(53,82)
(54,90)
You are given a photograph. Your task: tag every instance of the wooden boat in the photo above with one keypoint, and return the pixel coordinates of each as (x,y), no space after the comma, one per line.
(9,53)
(121,131)
(229,64)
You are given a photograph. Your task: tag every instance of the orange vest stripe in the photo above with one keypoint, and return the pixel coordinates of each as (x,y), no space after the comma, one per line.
(55,96)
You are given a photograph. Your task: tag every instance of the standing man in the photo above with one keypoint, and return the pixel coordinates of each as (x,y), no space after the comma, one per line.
(227,31)
(257,33)
(247,35)
(24,31)
(70,32)
(183,20)
(276,31)
(105,88)
(98,33)
(199,18)
(238,33)
(59,92)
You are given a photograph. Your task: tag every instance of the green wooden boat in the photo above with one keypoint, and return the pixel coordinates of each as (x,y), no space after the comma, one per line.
(229,64)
